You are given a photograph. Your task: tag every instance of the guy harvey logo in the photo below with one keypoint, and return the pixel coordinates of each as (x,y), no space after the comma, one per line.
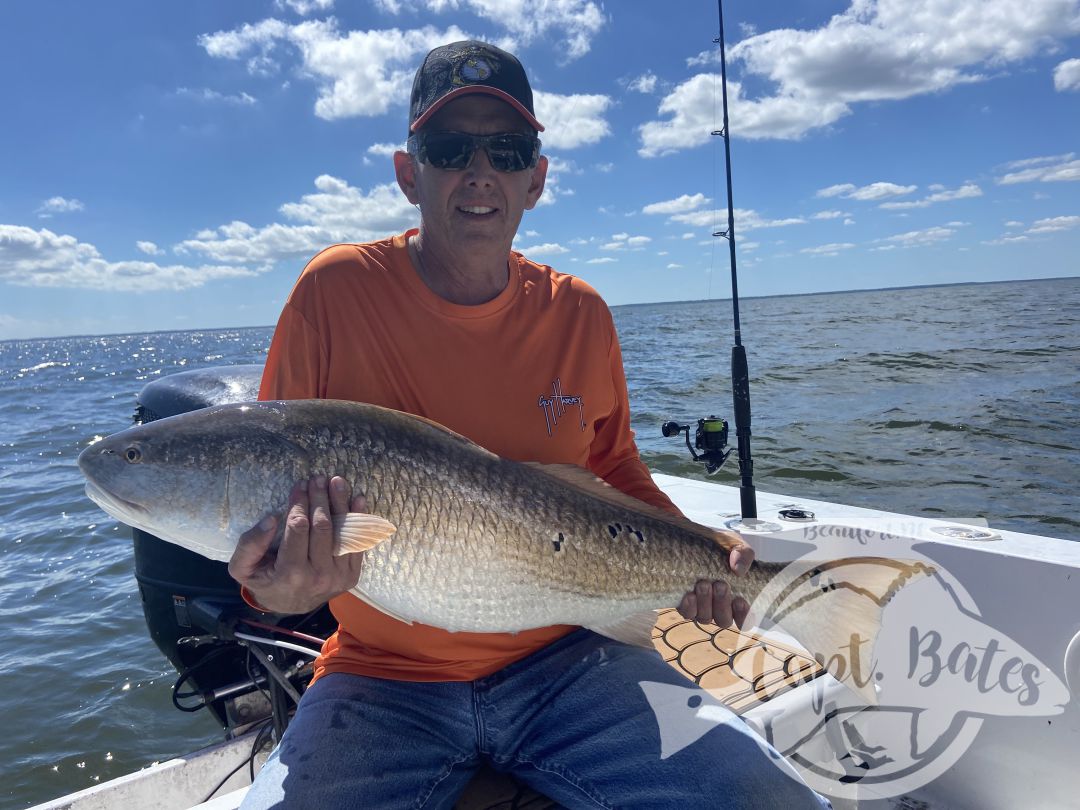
(556,405)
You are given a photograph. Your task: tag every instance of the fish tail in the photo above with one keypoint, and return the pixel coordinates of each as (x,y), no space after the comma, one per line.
(834,610)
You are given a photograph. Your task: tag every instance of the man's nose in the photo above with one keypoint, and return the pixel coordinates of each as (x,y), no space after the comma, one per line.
(480,171)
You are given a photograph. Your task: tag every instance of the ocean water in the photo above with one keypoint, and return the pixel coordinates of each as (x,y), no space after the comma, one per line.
(956,401)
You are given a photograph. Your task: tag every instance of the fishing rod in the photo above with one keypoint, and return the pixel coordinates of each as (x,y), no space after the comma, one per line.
(712,433)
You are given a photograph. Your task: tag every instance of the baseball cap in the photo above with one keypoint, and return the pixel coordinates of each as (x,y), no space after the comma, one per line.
(461,68)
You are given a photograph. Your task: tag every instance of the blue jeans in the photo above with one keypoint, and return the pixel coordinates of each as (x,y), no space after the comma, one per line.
(570,721)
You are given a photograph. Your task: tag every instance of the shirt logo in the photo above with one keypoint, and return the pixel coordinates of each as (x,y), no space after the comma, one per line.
(555,406)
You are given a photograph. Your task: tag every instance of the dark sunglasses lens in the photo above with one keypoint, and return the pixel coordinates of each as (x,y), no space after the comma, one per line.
(511,152)
(448,150)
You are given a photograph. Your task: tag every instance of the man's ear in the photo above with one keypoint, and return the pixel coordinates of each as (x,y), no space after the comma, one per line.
(405,171)
(536,183)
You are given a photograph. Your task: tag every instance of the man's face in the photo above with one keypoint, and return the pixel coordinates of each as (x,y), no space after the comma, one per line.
(477,208)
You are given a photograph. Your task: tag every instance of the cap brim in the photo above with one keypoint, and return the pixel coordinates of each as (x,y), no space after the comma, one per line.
(469,90)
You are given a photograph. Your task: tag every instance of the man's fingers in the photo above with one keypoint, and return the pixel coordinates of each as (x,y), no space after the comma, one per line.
(740,608)
(339,495)
(721,603)
(321,543)
(294,543)
(704,597)
(251,548)
(739,560)
(688,606)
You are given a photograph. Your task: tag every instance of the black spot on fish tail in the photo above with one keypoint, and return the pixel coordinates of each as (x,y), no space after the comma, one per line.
(558,543)
(640,536)
(612,529)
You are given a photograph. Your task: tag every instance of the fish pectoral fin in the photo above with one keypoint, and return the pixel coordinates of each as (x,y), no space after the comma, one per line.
(360,531)
(635,629)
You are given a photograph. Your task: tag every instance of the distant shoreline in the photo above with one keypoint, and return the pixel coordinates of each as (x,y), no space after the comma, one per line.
(613,307)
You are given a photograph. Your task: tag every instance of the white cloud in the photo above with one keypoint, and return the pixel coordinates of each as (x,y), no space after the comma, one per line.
(745,219)
(1050,169)
(601,260)
(305,7)
(338,212)
(688,235)
(572,22)
(928,236)
(966,190)
(58,205)
(1054,224)
(1067,75)
(213,96)
(875,50)
(828,215)
(546,249)
(571,121)
(624,241)
(692,108)
(359,73)
(149,248)
(832,249)
(30,258)
(836,191)
(604,167)
(673,266)
(1007,240)
(385,149)
(645,83)
(873,191)
(679,205)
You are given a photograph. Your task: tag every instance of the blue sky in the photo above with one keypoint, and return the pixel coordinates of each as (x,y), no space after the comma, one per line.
(173,164)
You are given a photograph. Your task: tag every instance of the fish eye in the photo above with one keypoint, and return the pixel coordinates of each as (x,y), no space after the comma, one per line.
(133,455)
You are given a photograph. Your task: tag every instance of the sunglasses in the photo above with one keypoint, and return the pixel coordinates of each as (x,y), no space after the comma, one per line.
(454,151)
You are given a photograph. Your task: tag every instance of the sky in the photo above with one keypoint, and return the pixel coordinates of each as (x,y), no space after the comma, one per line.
(173,165)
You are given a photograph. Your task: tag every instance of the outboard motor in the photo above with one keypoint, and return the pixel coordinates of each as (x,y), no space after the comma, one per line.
(191,604)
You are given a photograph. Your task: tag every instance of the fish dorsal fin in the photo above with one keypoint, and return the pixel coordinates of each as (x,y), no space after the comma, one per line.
(581,479)
(360,531)
(451,433)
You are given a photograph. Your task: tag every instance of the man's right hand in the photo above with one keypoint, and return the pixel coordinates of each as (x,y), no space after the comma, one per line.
(304,572)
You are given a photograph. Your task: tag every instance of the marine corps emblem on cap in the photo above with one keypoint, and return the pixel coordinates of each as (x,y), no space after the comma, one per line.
(462,68)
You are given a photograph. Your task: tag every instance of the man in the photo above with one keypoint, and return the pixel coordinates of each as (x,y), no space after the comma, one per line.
(448,323)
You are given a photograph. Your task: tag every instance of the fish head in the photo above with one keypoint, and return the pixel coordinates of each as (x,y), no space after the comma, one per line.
(197,480)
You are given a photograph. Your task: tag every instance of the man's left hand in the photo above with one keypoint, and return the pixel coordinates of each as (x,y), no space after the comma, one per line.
(713,602)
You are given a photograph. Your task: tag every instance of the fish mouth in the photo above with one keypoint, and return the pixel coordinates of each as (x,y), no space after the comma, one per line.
(113,504)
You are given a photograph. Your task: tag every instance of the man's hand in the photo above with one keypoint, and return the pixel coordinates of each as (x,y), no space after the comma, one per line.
(304,572)
(713,601)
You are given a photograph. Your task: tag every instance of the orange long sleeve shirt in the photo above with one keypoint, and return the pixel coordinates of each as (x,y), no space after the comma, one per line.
(535,374)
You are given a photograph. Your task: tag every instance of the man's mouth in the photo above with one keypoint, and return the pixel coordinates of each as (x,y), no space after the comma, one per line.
(476,210)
